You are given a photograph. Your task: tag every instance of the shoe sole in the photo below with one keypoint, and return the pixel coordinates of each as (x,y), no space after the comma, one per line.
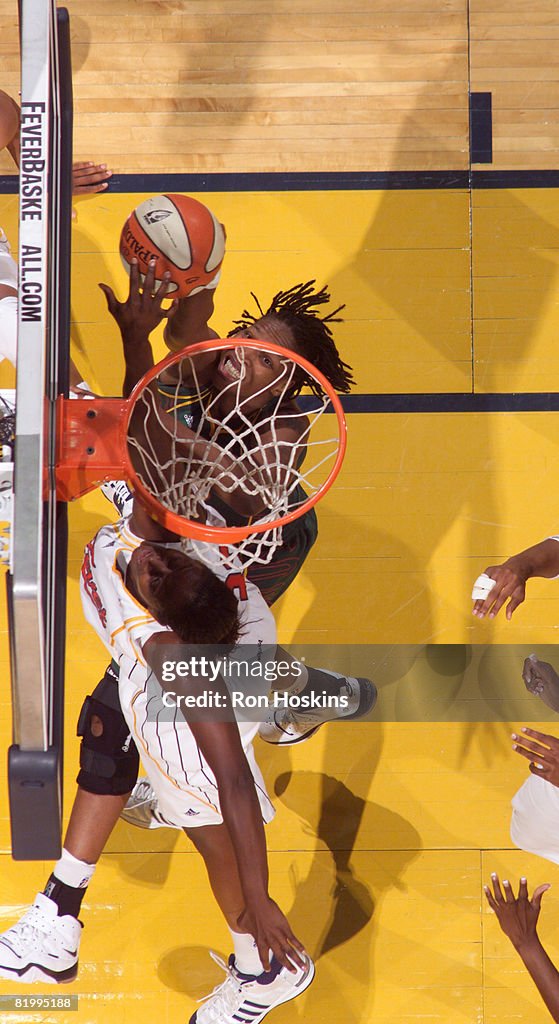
(297,739)
(34,972)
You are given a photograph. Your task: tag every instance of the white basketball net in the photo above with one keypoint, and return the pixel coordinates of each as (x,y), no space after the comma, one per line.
(185,475)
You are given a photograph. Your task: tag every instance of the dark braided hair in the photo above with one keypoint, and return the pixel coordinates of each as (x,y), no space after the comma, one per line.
(296,308)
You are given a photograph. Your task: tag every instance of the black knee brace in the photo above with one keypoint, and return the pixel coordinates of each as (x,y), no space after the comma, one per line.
(109,763)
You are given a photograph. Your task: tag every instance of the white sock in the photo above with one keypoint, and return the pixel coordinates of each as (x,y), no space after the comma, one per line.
(72,871)
(247,959)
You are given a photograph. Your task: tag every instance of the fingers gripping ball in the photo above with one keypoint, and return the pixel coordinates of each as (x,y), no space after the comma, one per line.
(182,235)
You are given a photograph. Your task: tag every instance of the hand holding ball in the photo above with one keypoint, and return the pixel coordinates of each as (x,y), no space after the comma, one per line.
(182,235)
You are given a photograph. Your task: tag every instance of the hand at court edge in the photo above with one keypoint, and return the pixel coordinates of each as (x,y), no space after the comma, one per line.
(271,931)
(542,751)
(509,583)
(517,915)
(540,678)
(141,312)
(88,177)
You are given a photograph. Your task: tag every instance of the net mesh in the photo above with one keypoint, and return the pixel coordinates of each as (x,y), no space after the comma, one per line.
(204,452)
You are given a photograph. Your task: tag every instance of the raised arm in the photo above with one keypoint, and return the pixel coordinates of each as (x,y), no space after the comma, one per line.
(142,311)
(137,317)
(518,918)
(511,576)
(191,321)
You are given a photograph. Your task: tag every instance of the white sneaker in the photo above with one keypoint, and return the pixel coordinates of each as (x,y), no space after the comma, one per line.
(246,998)
(292,724)
(41,946)
(141,808)
(120,494)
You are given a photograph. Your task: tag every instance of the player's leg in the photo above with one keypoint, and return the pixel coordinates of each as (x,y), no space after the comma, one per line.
(248,992)
(43,945)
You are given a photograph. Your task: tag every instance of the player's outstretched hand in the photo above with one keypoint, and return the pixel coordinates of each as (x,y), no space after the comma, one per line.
(88,177)
(542,751)
(517,915)
(510,585)
(142,311)
(271,931)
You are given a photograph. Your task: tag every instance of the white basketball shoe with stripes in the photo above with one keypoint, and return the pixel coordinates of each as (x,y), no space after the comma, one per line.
(41,946)
(344,699)
(247,998)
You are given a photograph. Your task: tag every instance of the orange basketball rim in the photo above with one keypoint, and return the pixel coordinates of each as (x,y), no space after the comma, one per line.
(95,445)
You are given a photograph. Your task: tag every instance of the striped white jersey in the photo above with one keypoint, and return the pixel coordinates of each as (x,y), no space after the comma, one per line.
(186,788)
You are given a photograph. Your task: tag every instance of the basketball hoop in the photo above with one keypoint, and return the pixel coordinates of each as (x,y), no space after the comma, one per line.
(187,445)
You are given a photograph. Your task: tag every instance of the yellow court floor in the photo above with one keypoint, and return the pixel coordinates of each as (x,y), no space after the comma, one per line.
(385,831)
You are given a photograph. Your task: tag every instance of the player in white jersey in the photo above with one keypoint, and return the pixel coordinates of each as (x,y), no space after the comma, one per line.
(204,772)
(179,774)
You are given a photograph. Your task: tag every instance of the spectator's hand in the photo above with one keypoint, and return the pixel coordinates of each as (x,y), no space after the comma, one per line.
(542,751)
(140,314)
(89,177)
(517,916)
(510,585)
(540,677)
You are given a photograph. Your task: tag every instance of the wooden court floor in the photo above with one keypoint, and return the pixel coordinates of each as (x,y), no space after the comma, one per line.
(386,831)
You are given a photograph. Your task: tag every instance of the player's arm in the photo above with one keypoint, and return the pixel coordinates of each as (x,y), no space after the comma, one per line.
(137,317)
(511,577)
(190,321)
(221,746)
(189,325)
(6,292)
(518,917)
(140,314)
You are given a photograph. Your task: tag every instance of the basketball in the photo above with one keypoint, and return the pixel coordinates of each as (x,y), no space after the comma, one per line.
(181,234)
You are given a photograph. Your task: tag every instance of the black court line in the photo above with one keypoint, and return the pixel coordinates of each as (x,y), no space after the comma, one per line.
(315,182)
(545,401)
(481,128)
